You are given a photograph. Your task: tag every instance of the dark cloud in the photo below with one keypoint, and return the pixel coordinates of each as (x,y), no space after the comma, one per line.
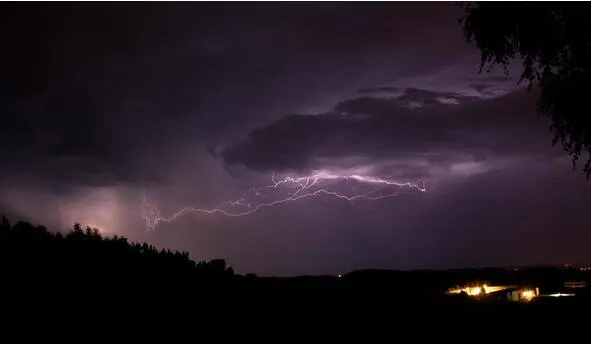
(482,88)
(488,90)
(492,79)
(378,132)
(66,141)
(409,97)
(378,89)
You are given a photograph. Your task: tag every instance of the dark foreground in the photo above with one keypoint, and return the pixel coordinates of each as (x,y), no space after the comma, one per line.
(84,278)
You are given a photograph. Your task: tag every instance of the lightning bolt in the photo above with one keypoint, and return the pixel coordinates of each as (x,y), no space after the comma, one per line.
(289,189)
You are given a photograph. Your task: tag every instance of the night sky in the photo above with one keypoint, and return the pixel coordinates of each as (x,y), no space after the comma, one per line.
(191,104)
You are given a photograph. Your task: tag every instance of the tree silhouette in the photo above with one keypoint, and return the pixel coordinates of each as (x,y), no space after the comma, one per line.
(32,255)
(553,42)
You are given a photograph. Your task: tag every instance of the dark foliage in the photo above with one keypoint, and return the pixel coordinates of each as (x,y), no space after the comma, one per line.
(553,41)
(83,259)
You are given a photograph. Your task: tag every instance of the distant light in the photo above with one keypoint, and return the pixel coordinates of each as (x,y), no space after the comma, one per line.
(473,291)
(101,230)
(528,295)
(477,290)
(559,295)
(339,276)
(92,226)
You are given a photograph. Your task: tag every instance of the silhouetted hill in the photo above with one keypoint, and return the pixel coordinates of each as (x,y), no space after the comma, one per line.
(87,273)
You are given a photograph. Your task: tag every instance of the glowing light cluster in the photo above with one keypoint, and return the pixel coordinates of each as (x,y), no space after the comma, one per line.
(471,290)
(290,189)
(525,295)
(478,289)
(528,295)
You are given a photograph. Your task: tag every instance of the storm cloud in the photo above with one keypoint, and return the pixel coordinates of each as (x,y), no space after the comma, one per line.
(415,133)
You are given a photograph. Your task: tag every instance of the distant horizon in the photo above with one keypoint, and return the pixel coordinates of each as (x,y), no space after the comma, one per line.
(577,266)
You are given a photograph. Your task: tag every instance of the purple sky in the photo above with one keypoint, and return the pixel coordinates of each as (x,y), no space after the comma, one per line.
(195,103)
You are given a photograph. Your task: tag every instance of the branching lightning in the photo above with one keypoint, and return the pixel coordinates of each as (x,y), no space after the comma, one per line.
(289,189)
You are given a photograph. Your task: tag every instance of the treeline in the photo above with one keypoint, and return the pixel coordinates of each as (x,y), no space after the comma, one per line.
(32,255)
